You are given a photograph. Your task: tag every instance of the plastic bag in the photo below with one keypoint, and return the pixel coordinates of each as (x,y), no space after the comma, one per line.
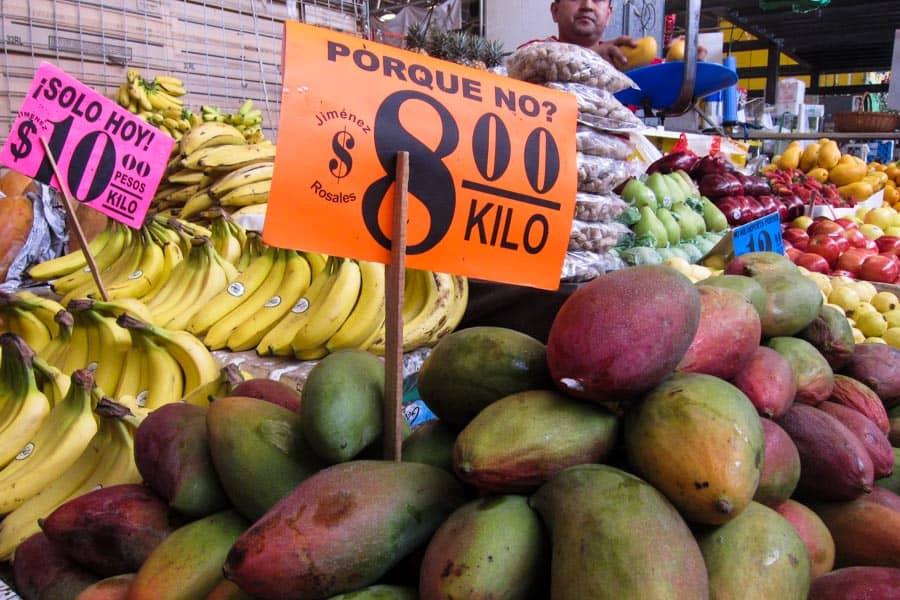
(540,62)
(596,207)
(600,175)
(46,240)
(596,237)
(584,266)
(599,108)
(589,140)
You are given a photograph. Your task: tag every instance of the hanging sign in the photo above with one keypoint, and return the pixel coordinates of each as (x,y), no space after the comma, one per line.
(761,235)
(492,171)
(112,160)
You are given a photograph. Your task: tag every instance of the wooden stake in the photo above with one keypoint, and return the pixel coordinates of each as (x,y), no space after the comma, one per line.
(393,322)
(79,233)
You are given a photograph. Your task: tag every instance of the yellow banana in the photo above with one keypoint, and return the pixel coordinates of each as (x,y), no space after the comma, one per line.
(114,308)
(75,356)
(218,275)
(229,376)
(225,240)
(54,383)
(324,318)
(26,325)
(163,373)
(42,307)
(30,405)
(229,157)
(188,177)
(209,134)
(250,174)
(146,276)
(114,342)
(248,193)
(196,204)
(291,286)
(433,315)
(119,237)
(184,281)
(458,303)
(368,314)
(62,438)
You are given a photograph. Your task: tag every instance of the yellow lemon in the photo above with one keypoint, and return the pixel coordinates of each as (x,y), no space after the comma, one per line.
(845,297)
(865,290)
(881,217)
(858,336)
(874,340)
(892,337)
(892,317)
(871,231)
(871,324)
(884,301)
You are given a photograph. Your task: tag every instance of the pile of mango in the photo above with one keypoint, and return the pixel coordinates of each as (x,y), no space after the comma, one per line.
(822,160)
(892,183)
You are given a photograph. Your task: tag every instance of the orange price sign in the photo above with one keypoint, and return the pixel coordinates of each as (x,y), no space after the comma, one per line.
(492,171)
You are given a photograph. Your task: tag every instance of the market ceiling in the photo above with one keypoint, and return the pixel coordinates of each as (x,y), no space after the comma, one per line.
(842,37)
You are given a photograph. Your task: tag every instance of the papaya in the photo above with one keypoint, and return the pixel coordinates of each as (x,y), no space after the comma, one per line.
(847,171)
(829,154)
(781,467)
(341,404)
(345,527)
(856,582)
(618,336)
(812,373)
(790,158)
(259,452)
(865,533)
(614,536)
(810,157)
(758,554)
(492,547)
(520,441)
(697,439)
(471,368)
(792,302)
(818,173)
(813,532)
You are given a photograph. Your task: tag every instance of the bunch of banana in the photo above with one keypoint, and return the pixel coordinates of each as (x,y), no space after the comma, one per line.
(31,317)
(23,406)
(247,119)
(197,365)
(229,376)
(107,460)
(227,235)
(64,435)
(97,342)
(240,315)
(195,280)
(157,102)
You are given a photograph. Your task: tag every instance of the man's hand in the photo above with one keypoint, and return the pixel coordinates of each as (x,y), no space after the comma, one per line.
(610,51)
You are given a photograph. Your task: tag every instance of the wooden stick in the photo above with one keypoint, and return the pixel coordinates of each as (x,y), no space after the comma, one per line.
(79,233)
(393,322)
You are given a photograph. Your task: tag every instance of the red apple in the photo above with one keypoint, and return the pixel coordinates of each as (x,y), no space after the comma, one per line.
(852,259)
(881,268)
(824,225)
(792,253)
(797,237)
(842,242)
(868,244)
(825,246)
(847,223)
(813,262)
(888,244)
(855,236)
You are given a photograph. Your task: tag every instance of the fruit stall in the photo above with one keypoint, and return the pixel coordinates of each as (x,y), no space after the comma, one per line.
(677,377)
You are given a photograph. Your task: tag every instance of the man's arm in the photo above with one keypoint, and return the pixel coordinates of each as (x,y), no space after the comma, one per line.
(610,51)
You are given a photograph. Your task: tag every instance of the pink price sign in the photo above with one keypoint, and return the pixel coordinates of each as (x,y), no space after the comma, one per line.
(111,160)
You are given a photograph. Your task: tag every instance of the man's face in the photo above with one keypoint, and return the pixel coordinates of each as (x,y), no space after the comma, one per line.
(581,21)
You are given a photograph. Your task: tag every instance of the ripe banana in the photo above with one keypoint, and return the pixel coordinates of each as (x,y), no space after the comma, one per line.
(54,383)
(229,376)
(247,194)
(62,438)
(119,238)
(26,325)
(23,521)
(113,344)
(458,302)
(250,174)
(433,315)
(196,204)
(147,274)
(161,372)
(295,281)
(42,307)
(235,293)
(114,308)
(226,239)
(25,407)
(325,317)
(75,355)
(186,273)
(218,275)
(209,134)
(229,157)
(368,314)
(216,336)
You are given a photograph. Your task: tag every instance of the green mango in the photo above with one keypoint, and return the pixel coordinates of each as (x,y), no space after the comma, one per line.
(259,452)
(660,188)
(713,216)
(673,231)
(431,443)
(638,194)
(615,536)
(341,407)
(649,224)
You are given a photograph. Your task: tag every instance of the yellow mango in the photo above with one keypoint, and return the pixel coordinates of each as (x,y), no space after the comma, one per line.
(790,158)
(819,174)
(891,195)
(809,158)
(859,190)
(641,55)
(829,154)
(846,172)
(676,50)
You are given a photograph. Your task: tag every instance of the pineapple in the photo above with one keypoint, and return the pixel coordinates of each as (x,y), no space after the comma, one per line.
(493,53)
(475,46)
(416,37)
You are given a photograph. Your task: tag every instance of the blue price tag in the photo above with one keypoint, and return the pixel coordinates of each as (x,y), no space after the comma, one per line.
(761,235)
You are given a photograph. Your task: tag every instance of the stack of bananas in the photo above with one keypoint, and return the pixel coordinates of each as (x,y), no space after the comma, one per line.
(214,165)
(132,263)
(157,102)
(247,120)
(52,448)
(31,317)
